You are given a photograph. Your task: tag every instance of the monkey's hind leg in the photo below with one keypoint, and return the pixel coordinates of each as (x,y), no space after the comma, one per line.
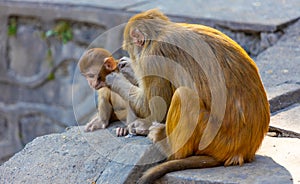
(182,123)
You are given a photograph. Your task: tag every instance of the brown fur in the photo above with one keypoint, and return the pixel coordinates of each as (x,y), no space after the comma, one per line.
(111,107)
(214,74)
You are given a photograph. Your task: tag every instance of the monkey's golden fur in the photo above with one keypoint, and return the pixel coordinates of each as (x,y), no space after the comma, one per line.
(246,116)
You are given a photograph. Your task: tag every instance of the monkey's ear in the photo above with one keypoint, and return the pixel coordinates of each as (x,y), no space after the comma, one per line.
(138,37)
(110,63)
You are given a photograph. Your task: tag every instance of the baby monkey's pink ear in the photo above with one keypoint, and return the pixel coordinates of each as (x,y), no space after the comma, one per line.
(110,64)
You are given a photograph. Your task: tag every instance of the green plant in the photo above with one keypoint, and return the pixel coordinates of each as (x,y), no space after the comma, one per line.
(62,31)
(12,27)
(49,58)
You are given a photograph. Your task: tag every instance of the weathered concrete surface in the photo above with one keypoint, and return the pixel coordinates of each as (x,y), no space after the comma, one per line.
(277,161)
(78,157)
(244,15)
(281,89)
(287,119)
(285,152)
(265,15)
(262,170)
(279,68)
(282,96)
(280,64)
(115,4)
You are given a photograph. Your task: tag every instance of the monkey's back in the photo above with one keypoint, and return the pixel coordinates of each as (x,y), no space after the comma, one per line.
(247,115)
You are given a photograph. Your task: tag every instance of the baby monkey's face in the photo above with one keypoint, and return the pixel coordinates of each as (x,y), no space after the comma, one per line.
(95,78)
(96,75)
(95,65)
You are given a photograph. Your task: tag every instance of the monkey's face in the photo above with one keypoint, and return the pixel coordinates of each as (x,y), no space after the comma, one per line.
(95,65)
(96,79)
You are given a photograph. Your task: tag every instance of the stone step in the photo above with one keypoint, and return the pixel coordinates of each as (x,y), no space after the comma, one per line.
(279,64)
(268,15)
(110,4)
(263,170)
(282,96)
(284,152)
(100,156)
(79,157)
(288,119)
(277,162)
(280,72)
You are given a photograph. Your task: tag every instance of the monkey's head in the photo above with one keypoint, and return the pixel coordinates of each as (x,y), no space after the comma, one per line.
(95,65)
(141,29)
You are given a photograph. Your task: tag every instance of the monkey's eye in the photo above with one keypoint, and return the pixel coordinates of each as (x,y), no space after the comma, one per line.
(90,76)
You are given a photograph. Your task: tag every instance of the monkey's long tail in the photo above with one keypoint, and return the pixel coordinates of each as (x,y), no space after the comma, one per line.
(192,162)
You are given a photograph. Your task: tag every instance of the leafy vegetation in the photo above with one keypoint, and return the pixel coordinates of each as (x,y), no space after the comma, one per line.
(12,27)
(62,31)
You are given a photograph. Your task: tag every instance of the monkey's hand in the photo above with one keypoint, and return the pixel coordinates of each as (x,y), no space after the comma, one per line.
(126,70)
(95,124)
(157,132)
(139,127)
(124,62)
(119,84)
(121,131)
(113,80)
(110,79)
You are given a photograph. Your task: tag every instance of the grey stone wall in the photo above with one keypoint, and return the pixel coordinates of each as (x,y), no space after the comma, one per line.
(41,91)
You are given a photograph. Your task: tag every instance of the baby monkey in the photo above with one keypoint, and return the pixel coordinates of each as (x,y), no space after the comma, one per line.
(95,65)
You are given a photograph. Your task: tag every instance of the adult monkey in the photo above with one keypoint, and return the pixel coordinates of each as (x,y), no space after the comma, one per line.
(218,111)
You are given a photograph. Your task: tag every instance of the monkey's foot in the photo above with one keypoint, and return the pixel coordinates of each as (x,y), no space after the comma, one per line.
(95,124)
(157,132)
(121,131)
(139,127)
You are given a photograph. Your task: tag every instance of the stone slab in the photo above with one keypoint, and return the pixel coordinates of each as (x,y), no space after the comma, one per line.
(283,96)
(262,170)
(101,157)
(265,15)
(280,64)
(277,162)
(112,4)
(285,152)
(279,68)
(279,90)
(287,119)
(78,157)
(268,15)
